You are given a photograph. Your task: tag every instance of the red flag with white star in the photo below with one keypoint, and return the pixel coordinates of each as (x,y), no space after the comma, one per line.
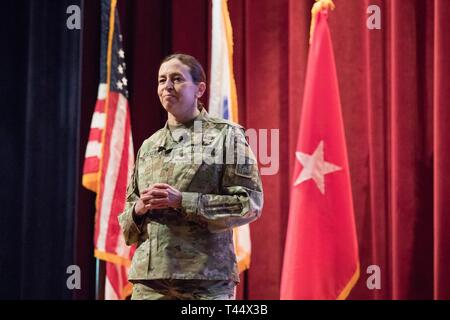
(321,253)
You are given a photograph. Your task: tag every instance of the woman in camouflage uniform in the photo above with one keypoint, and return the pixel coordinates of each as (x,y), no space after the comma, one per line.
(194,181)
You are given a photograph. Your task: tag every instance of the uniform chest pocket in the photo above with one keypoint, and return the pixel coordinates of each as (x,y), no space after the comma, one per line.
(180,161)
(149,167)
(181,154)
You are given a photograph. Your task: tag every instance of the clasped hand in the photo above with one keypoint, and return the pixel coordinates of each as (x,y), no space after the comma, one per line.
(158,196)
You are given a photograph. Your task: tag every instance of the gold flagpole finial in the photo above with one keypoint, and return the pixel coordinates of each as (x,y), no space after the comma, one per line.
(317,7)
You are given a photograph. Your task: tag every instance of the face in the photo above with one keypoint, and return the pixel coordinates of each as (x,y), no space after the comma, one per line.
(176,90)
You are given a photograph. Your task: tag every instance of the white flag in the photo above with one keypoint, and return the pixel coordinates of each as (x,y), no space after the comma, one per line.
(223,101)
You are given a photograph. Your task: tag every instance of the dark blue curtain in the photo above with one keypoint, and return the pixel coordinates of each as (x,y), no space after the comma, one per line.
(40,102)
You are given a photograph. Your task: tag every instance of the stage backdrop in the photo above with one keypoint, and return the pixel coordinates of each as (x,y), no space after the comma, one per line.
(40,102)
(395,90)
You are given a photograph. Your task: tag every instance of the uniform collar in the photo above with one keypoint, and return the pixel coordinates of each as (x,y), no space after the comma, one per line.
(166,138)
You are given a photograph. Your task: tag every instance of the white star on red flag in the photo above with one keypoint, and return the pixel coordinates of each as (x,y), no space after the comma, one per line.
(315,167)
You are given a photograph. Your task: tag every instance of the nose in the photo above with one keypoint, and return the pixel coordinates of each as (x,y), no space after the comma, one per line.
(168,85)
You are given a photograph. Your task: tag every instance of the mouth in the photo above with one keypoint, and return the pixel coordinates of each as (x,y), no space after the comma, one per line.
(168,96)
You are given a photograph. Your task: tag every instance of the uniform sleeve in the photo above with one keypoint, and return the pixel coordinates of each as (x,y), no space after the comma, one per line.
(130,224)
(241,199)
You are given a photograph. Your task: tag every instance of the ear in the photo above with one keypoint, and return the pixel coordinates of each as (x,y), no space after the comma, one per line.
(201,89)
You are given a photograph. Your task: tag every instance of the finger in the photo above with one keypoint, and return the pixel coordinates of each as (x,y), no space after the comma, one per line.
(161,186)
(146,197)
(148,189)
(159,201)
(159,193)
(170,188)
(145,191)
(152,206)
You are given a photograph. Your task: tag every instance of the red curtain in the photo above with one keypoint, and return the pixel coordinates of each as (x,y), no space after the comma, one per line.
(394,86)
(395,94)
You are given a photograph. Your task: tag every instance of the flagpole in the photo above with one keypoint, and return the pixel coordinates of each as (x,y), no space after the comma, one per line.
(100,277)
(318,7)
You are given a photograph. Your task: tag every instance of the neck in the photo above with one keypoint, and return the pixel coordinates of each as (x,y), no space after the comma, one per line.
(175,120)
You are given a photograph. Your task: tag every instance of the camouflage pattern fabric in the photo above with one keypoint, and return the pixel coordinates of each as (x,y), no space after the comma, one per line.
(211,163)
(183,290)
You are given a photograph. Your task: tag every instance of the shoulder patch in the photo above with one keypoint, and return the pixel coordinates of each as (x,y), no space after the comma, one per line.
(244,170)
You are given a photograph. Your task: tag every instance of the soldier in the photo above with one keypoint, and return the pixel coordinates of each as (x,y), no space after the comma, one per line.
(194,180)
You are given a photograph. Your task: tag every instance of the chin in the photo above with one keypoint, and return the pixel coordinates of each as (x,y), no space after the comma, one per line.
(168,107)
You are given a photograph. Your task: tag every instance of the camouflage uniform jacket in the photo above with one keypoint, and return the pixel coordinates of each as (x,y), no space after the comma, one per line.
(196,241)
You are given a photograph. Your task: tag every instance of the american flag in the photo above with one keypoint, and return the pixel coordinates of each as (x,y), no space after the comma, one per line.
(109,155)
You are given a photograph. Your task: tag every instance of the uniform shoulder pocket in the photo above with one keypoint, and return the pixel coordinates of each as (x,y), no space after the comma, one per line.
(244,170)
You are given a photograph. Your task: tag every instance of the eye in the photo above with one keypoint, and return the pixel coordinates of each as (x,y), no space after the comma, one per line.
(161,81)
(177,79)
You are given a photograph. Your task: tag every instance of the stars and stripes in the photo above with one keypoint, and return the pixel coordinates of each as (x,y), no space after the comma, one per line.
(109,155)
